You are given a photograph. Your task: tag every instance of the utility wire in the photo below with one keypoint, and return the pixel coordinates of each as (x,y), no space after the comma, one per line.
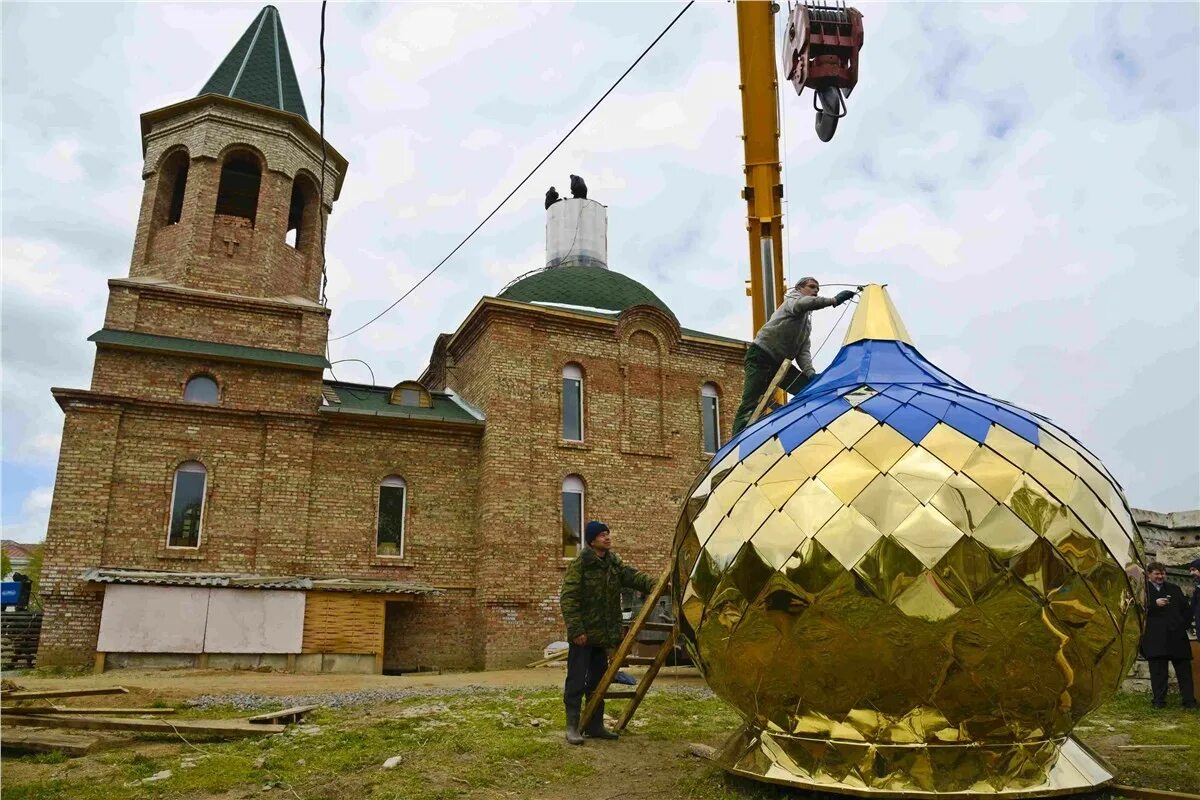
(524,180)
(834,328)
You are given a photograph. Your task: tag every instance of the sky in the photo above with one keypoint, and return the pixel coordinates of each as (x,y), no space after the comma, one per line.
(1023,177)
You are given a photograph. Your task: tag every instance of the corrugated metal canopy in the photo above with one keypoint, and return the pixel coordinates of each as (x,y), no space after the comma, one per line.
(246,581)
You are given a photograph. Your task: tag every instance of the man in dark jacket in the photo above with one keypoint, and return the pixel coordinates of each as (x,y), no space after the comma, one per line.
(1194,568)
(785,336)
(591,608)
(1168,616)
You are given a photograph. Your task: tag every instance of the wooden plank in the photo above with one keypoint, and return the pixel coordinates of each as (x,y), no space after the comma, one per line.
(230,728)
(639,661)
(620,694)
(558,655)
(293,714)
(39,695)
(658,626)
(71,744)
(93,711)
(1149,794)
(98,664)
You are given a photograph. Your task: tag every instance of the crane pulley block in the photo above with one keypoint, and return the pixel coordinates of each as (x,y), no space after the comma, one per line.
(821,53)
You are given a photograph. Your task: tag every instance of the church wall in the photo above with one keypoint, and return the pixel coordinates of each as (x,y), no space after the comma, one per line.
(162,377)
(513,370)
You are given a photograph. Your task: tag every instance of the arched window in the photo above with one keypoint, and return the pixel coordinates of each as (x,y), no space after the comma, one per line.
(201,389)
(572,403)
(393,502)
(710,416)
(303,218)
(572,515)
(187,505)
(237,193)
(172,186)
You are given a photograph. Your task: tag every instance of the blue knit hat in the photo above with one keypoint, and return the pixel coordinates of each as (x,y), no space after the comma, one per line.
(593,529)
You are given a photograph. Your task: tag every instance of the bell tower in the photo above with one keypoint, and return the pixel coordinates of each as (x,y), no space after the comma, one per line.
(232,206)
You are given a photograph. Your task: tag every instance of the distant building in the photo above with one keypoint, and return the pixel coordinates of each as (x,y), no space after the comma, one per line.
(19,556)
(218,503)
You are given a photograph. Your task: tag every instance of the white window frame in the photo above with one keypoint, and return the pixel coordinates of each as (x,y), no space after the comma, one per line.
(188,466)
(394,481)
(573,484)
(710,390)
(572,372)
(198,377)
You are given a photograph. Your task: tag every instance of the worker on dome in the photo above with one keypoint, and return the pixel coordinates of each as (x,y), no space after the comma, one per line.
(784,337)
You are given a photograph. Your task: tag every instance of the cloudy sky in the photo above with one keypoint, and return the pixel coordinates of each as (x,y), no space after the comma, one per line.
(1023,177)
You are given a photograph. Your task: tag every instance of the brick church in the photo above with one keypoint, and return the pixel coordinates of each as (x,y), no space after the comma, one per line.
(219,503)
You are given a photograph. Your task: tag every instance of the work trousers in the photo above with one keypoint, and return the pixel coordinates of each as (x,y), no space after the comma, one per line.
(1183,674)
(761,367)
(585,668)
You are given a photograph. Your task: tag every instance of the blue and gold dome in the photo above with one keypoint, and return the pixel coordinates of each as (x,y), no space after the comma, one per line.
(907,587)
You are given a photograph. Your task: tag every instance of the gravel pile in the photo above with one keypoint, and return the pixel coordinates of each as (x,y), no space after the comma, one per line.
(253,702)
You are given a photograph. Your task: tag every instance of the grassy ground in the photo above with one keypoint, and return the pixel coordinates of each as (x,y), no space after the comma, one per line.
(506,743)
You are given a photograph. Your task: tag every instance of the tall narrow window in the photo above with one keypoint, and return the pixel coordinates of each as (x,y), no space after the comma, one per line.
(201,389)
(572,403)
(187,505)
(710,414)
(393,500)
(237,193)
(572,515)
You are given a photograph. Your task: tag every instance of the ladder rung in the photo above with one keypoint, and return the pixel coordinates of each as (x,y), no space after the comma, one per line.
(658,626)
(620,694)
(634,661)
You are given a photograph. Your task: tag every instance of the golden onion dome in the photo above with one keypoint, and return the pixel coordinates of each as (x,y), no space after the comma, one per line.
(905,586)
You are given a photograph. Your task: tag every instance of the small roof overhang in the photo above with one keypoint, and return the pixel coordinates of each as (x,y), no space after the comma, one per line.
(228,580)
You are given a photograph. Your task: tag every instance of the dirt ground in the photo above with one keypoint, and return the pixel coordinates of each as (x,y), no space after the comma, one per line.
(181,684)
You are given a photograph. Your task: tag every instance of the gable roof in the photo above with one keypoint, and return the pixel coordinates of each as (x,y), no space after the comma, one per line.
(259,68)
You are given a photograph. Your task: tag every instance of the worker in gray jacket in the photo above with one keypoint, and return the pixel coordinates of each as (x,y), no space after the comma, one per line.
(784,337)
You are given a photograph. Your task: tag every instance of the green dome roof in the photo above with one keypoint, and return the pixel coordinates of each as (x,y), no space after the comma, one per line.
(590,287)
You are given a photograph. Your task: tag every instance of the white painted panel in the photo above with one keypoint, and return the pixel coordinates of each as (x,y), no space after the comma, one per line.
(254,621)
(152,619)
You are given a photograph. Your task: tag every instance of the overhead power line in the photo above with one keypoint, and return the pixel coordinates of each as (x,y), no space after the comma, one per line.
(524,180)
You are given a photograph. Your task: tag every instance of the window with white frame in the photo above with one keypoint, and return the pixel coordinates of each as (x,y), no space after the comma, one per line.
(187,505)
(201,389)
(572,403)
(572,515)
(393,502)
(710,415)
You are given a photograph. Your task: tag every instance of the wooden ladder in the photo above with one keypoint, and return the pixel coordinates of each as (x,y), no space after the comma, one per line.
(771,392)
(623,658)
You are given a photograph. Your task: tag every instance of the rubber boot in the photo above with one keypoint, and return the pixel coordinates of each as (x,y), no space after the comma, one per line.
(595,727)
(573,736)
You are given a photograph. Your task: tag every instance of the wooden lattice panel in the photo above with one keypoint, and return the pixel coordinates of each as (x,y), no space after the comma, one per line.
(337,622)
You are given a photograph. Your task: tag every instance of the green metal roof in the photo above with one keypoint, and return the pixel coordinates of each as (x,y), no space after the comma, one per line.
(357,398)
(590,287)
(259,68)
(228,352)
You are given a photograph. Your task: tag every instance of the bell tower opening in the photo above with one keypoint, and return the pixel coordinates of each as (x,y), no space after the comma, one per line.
(172,186)
(237,192)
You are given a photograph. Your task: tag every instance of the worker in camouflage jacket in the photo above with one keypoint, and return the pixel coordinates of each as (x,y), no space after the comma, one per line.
(591,608)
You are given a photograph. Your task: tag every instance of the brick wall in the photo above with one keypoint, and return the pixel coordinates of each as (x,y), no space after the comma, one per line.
(642,449)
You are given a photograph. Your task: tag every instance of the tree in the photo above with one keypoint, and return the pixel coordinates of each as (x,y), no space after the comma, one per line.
(34,571)
(5,565)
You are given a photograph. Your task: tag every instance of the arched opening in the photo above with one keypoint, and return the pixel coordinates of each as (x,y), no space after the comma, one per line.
(172,186)
(303,216)
(572,515)
(572,403)
(710,417)
(237,192)
(187,505)
(389,529)
(201,389)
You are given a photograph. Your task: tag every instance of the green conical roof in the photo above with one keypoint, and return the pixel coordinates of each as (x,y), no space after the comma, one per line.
(259,68)
(590,287)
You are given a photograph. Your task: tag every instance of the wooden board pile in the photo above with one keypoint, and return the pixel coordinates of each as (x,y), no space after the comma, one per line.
(46,721)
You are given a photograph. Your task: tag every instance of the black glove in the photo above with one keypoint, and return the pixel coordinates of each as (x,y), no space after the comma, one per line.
(842,296)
